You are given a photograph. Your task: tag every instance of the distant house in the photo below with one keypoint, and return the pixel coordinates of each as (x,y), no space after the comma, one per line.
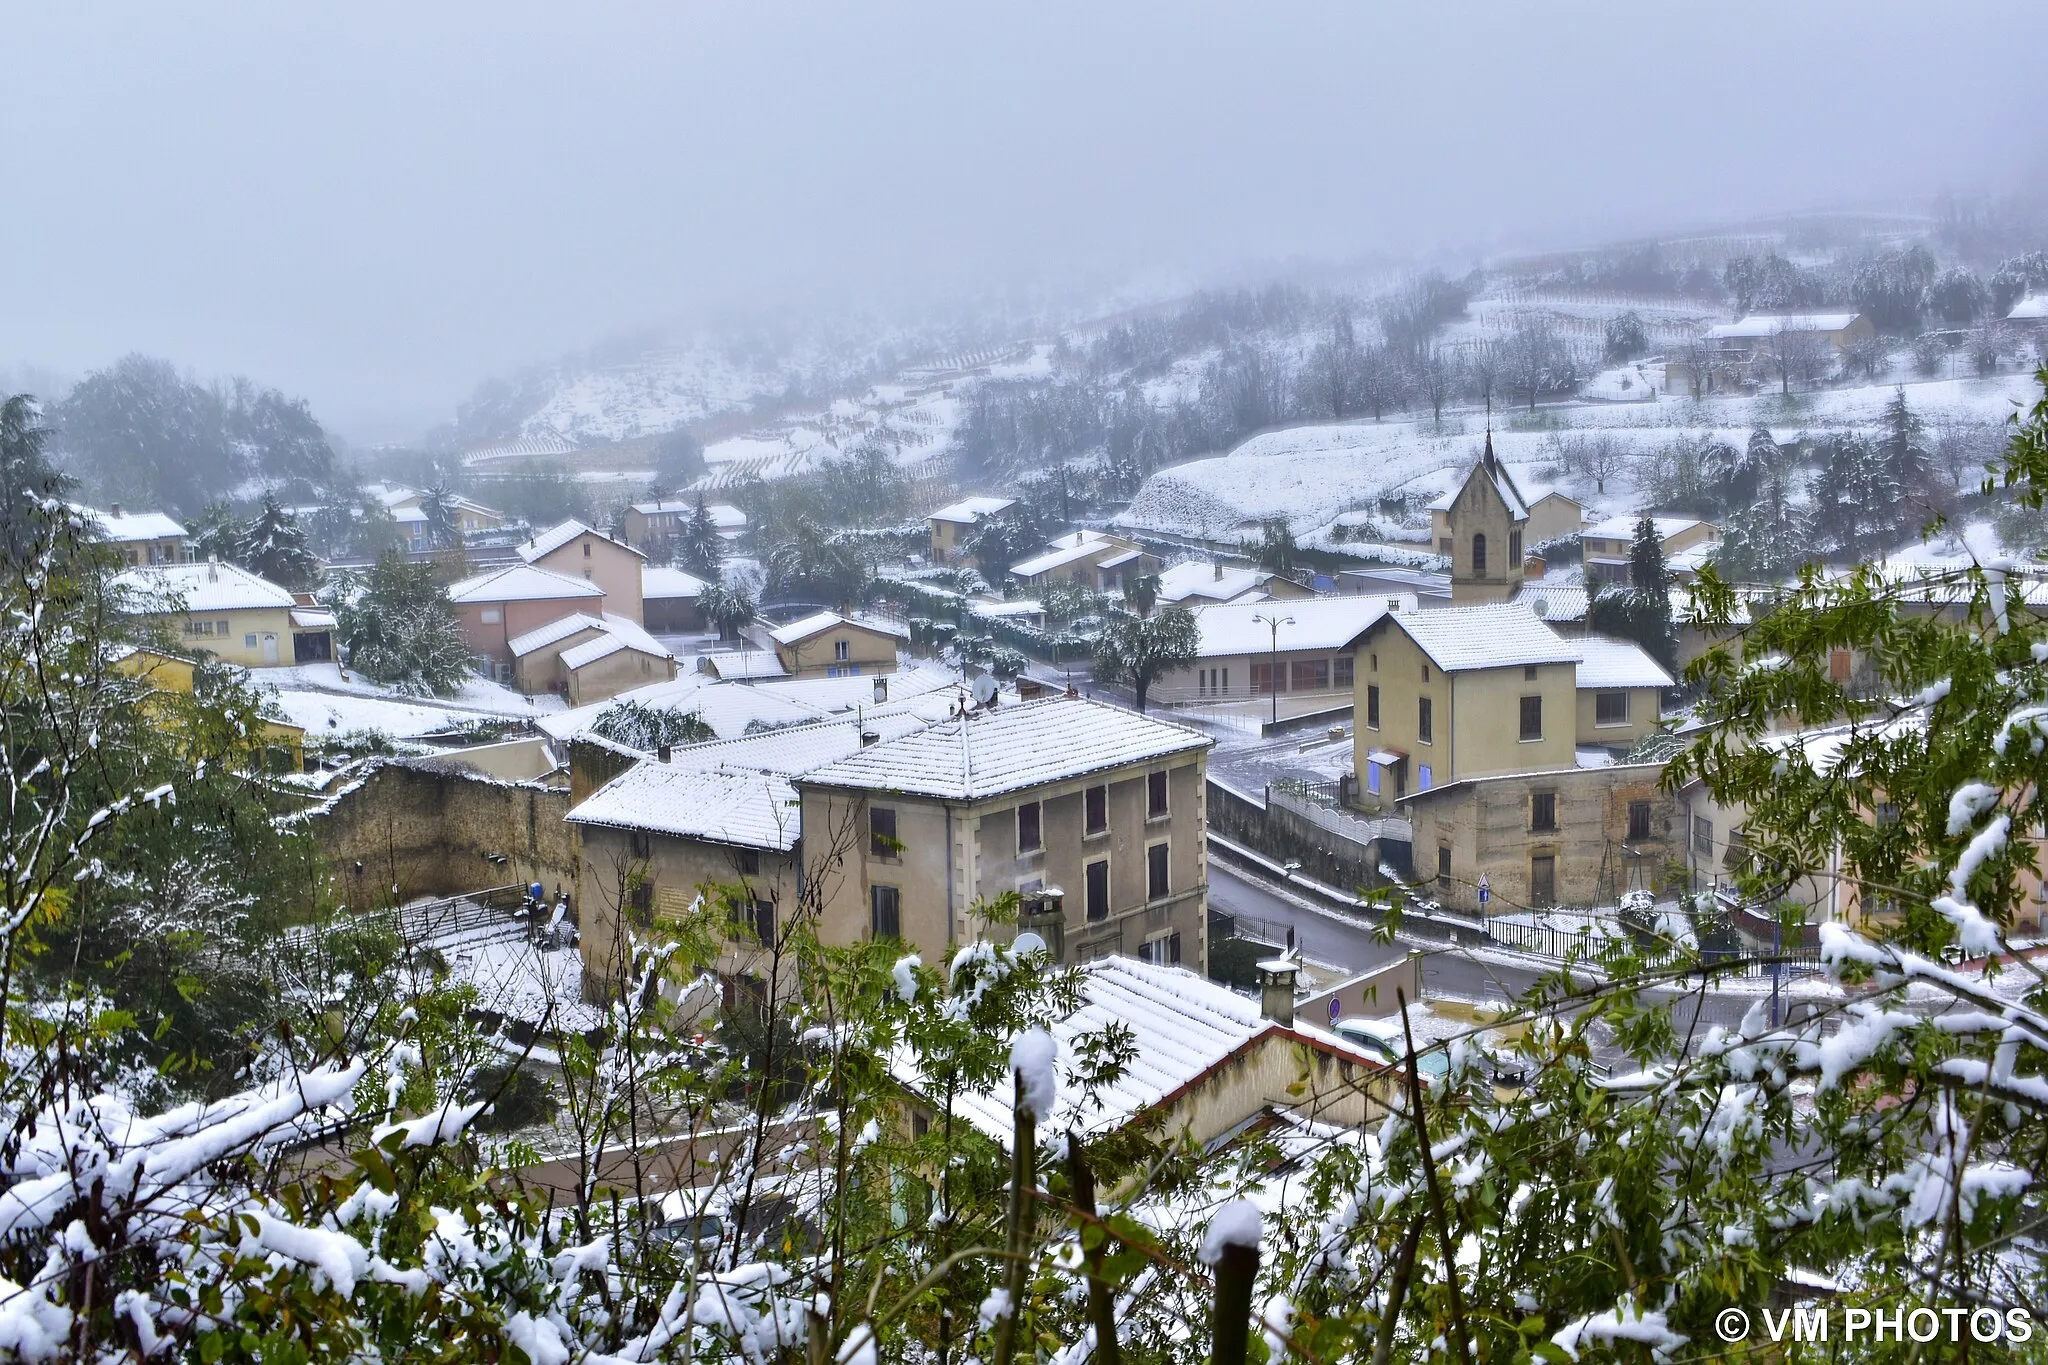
(575,550)
(140,537)
(2030,314)
(1620,688)
(828,645)
(1607,543)
(669,600)
(952,524)
(1198,584)
(587,658)
(1430,588)
(1308,659)
(284,744)
(499,605)
(1092,559)
(228,612)
(404,505)
(1746,338)
(660,518)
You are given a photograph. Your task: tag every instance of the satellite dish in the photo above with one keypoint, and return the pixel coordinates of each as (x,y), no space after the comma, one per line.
(1027,942)
(1541,606)
(984,690)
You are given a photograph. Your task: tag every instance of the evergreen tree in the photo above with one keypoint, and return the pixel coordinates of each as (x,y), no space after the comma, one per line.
(729,609)
(273,545)
(1139,649)
(637,725)
(1902,446)
(1765,540)
(678,459)
(444,518)
(399,628)
(216,534)
(1642,611)
(26,475)
(698,546)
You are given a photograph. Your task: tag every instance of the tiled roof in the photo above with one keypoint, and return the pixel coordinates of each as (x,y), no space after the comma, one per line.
(1501,635)
(1065,550)
(2032,308)
(971,510)
(201,588)
(1624,527)
(546,542)
(130,526)
(736,664)
(1232,628)
(657,582)
(1197,579)
(1183,1026)
(1011,748)
(821,622)
(521,583)
(731,709)
(619,633)
(1618,663)
(1555,602)
(555,631)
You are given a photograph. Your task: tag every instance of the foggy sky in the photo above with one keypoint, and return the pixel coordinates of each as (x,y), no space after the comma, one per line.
(378,205)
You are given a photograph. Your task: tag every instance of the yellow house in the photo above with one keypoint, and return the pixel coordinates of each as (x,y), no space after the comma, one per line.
(952,524)
(284,743)
(1620,692)
(1607,543)
(1457,693)
(588,658)
(140,537)
(828,645)
(224,610)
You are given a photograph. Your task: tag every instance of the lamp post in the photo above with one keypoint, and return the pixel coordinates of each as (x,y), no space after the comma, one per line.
(1273,677)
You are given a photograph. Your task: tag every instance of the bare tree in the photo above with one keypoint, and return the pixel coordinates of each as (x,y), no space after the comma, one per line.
(1436,379)
(1797,353)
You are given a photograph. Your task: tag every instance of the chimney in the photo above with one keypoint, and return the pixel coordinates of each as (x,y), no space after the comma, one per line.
(113,509)
(213,568)
(664,754)
(1533,566)
(1276,989)
(1219,571)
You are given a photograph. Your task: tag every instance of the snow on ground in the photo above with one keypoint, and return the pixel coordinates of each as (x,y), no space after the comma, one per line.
(654,393)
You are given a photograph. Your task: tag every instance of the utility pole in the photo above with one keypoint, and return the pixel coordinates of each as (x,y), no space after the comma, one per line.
(1273,676)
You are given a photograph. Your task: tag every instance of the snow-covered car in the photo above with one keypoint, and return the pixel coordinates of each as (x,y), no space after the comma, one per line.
(1383,1038)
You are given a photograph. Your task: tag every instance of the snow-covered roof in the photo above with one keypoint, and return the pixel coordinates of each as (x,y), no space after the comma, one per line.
(2032,308)
(544,543)
(818,623)
(658,582)
(1011,748)
(1020,606)
(1556,602)
(660,505)
(1183,1026)
(521,583)
(132,526)
(1618,663)
(554,632)
(738,664)
(202,588)
(389,494)
(1770,324)
(1196,579)
(606,645)
(312,618)
(726,517)
(1229,629)
(1066,550)
(408,516)
(1500,635)
(971,510)
(1624,527)
(731,708)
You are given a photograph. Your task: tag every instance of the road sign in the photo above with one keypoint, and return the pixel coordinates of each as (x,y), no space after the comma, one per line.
(1336,1008)
(1485,890)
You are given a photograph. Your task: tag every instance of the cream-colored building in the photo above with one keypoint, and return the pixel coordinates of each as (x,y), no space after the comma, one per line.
(139,537)
(1607,543)
(586,658)
(1301,650)
(1458,693)
(1095,814)
(1621,691)
(952,524)
(1198,584)
(1748,337)
(1482,528)
(828,645)
(574,550)
(1092,559)
(225,611)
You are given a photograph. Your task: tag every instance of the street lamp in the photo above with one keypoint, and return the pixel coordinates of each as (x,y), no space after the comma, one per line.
(1273,678)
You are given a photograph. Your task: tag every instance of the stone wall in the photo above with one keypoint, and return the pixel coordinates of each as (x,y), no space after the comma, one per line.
(432,827)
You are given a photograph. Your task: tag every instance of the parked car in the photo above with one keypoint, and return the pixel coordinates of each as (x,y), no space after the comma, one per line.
(1383,1038)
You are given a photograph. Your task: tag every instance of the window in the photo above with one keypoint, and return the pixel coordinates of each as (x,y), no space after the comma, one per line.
(1425,672)
(1610,708)
(492,616)
(1341,673)
(885,912)
(1543,811)
(1532,718)
(1528,673)
(1424,778)
(748,861)
(1030,834)
(1268,679)
(1372,662)
(1841,664)
(641,897)
(636,843)
(1479,556)
(1311,675)
(1543,879)
(882,842)
(1163,951)
(1372,706)
(1157,885)
(586,552)
(1372,778)
(1514,550)
(1095,810)
(1703,836)
(1443,865)
(1098,889)
(223,627)
(756,918)
(1444,546)
(1638,819)
(842,650)
(1425,721)
(249,640)
(1155,794)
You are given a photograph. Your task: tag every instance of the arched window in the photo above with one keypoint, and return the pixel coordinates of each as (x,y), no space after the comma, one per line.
(1479,556)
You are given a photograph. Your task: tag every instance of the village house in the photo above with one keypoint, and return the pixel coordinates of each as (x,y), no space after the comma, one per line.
(228,612)
(664,518)
(1620,693)
(1748,337)
(1197,584)
(1429,587)
(406,506)
(586,658)
(499,605)
(284,744)
(139,537)
(1094,814)
(1607,544)
(1550,517)
(1458,693)
(1484,529)
(1092,559)
(2030,314)
(574,550)
(828,645)
(1307,659)
(953,524)
(671,600)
